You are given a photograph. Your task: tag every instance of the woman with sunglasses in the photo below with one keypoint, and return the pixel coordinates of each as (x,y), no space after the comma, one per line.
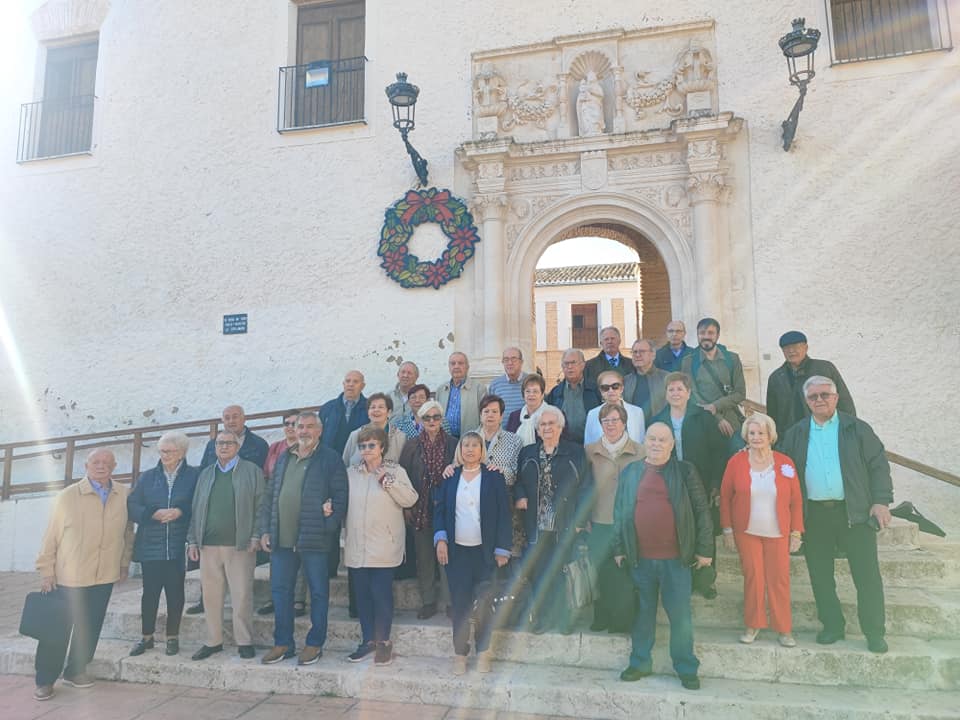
(472,532)
(424,459)
(610,384)
(379,407)
(380,491)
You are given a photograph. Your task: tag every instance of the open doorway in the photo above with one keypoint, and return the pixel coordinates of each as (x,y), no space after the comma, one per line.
(590,277)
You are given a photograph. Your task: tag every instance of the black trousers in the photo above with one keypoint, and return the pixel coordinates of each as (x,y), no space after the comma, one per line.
(166,576)
(88,606)
(827,527)
(542,567)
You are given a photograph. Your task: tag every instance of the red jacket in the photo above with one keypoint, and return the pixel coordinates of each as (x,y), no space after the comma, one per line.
(735,494)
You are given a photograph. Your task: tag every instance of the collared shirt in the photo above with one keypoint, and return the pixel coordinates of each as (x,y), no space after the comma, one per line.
(511,393)
(102,490)
(411,427)
(612,361)
(230,465)
(824,478)
(453,407)
(401,403)
(348,405)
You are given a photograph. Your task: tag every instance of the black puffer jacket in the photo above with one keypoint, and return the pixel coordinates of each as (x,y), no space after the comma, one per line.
(156,540)
(326,477)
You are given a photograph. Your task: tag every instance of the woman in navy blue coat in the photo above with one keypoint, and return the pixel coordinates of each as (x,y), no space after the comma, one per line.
(160,504)
(473,535)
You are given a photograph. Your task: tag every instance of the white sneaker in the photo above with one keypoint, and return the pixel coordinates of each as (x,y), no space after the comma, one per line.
(787,640)
(459,665)
(749,635)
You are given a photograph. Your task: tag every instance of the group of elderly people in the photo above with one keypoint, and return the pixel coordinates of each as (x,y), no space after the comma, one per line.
(490,500)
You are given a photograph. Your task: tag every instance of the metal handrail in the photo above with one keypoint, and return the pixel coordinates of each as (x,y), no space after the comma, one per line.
(320,94)
(136,439)
(751,406)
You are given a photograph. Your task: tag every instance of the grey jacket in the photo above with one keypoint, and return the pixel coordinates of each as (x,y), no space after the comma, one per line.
(248,489)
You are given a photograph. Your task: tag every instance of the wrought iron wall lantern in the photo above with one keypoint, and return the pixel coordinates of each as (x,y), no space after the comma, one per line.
(799,46)
(403,98)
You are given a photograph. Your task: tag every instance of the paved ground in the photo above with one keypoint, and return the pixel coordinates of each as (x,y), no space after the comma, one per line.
(129,701)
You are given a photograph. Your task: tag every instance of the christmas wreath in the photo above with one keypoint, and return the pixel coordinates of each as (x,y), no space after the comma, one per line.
(404,216)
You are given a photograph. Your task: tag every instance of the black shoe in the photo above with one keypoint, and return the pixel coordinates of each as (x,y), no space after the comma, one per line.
(598,626)
(246,651)
(540,627)
(427,611)
(709,593)
(829,637)
(204,652)
(195,609)
(141,647)
(690,682)
(877,645)
(632,674)
(173,646)
(299,609)
(362,652)
(266,609)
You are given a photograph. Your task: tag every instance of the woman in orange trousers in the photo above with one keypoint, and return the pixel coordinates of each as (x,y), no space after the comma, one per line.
(761,513)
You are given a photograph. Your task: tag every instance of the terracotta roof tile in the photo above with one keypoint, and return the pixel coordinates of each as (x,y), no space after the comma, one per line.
(588,274)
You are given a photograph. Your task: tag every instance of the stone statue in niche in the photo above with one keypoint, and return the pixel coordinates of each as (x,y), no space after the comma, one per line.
(590,106)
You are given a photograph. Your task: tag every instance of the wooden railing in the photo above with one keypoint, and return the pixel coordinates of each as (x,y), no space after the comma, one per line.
(750,406)
(132,439)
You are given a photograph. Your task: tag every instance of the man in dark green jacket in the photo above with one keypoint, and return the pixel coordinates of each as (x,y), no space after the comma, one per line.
(662,529)
(785,401)
(846,486)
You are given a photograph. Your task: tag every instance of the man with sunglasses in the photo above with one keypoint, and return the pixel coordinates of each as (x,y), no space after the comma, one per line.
(846,486)
(610,384)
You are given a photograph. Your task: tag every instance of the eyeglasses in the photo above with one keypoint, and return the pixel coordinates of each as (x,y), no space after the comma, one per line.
(289,423)
(368,445)
(612,420)
(431,418)
(510,359)
(813,397)
(225,443)
(611,386)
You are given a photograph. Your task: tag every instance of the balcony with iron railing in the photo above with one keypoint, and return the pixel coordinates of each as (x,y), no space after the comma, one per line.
(320,94)
(55,127)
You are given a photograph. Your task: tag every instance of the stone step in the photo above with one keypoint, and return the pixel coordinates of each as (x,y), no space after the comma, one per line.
(910,664)
(575,692)
(928,613)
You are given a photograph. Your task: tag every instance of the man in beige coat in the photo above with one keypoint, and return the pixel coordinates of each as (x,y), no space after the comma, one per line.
(86,549)
(460,397)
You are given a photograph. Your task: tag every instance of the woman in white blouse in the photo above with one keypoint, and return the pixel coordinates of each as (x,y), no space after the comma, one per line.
(761,513)
(472,533)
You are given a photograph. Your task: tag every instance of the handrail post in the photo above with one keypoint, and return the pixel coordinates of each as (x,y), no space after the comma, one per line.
(7,472)
(68,462)
(135,463)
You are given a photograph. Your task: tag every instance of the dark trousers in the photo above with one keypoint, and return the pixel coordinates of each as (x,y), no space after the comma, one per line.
(827,527)
(615,607)
(543,563)
(88,606)
(374,590)
(669,581)
(466,570)
(285,564)
(166,576)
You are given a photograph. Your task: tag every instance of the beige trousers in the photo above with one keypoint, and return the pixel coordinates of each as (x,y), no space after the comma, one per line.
(223,568)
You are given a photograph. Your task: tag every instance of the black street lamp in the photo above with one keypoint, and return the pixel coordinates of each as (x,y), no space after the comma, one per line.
(403,98)
(798,44)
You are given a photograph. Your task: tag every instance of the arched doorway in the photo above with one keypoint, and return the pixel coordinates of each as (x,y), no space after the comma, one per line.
(604,274)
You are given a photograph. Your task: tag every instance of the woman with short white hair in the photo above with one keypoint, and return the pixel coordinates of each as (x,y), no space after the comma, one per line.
(160,503)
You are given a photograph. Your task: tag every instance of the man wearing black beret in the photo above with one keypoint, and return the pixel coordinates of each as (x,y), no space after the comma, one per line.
(785,401)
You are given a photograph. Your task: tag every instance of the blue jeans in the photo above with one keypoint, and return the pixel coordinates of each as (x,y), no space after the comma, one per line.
(284,564)
(374,589)
(670,581)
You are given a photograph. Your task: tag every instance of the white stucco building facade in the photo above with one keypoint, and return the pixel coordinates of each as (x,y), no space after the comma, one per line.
(119,264)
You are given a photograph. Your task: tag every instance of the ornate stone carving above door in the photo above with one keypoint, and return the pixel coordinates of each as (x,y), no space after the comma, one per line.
(615,81)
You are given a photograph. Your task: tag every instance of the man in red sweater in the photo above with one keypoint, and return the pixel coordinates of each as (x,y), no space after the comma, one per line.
(662,529)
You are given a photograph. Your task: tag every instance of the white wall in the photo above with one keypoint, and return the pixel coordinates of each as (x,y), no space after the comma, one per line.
(600,293)
(116,269)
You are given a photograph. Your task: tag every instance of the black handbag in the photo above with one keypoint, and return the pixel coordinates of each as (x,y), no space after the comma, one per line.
(46,616)
(580,579)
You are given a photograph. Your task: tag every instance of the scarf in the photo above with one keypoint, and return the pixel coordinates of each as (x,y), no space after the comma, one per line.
(615,449)
(432,452)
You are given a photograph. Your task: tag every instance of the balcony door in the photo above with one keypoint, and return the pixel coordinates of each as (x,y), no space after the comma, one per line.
(334,33)
(66,122)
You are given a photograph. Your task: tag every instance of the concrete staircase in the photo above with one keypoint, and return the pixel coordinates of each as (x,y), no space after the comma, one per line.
(576,675)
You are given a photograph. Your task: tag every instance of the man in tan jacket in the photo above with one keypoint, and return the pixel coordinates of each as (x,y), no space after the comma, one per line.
(86,549)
